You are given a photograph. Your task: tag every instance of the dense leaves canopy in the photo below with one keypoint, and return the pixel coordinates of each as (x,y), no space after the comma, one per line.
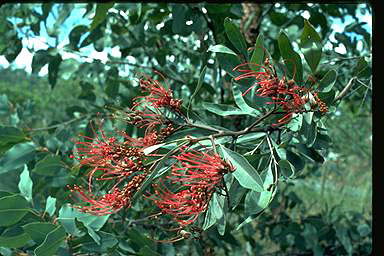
(267,105)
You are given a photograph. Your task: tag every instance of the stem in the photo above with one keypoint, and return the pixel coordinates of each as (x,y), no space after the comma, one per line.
(345,90)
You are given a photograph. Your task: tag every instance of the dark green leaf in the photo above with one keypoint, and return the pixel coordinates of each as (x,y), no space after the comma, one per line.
(291,58)
(112,82)
(228,62)
(178,16)
(235,36)
(107,241)
(101,14)
(310,153)
(75,35)
(25,184)
(259,53)
(198,86)
(328,80)
(38,230)
(247,176)
(12,209)
(39,60)
(9,136)
(48,166)
(53,69)
(14,238)
(344,238)
(287,169)
(52,242)
(310,44)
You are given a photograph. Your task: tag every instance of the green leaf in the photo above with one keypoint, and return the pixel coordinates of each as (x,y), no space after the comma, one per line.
(12,209)
(178,19)
(228,62)
(310,153)
(53,69)
(14,238)
(221,49)
(25,184)
(240,102)
(328,80)
(52,242)
(9,136)
(75,35)
(291,58)
(258,54)
(147,251)
(310,44)
(255,202)
(38,230)
(198,86)
(222,109)
(235,36)
(360,66)
(247,176)
(287,169)
(101,14)
(296,122)
(17,156)
(50,206)
(49,165)
(67,216)
(39,60)
(107,241)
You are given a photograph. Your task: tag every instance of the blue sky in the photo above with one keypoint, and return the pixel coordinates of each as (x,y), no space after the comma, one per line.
(24,59)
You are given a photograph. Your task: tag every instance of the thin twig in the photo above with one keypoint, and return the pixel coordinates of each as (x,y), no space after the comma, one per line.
(345,90)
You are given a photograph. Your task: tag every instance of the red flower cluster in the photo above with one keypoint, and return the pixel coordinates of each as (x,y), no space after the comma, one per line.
(197,175)
(122,162)
(287,94)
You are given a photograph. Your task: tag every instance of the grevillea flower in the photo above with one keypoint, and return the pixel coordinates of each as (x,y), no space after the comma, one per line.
(158,96)
(114,161)
(197,175)
(108,203)
(286,93)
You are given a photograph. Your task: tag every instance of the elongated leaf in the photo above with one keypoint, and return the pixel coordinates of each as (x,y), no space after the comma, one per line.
(327,82)
(245,174)
(291,58)
(240,102)
(287,169)
(51,243)
(67,216)
(50,206)
(107,241)
(310,44)
(15,239)
(222,109)
(9,136)
(38,230)
(12,209)
(258,54)
(48,166)
(101,14)
(198,86)
(25,184)
(221,49)
(17,156)
(235,36)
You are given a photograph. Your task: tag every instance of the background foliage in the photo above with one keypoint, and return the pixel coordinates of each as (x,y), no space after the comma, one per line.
(324,210)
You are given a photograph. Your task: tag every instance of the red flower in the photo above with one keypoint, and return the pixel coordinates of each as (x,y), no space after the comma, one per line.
(158,96)
(197,174)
